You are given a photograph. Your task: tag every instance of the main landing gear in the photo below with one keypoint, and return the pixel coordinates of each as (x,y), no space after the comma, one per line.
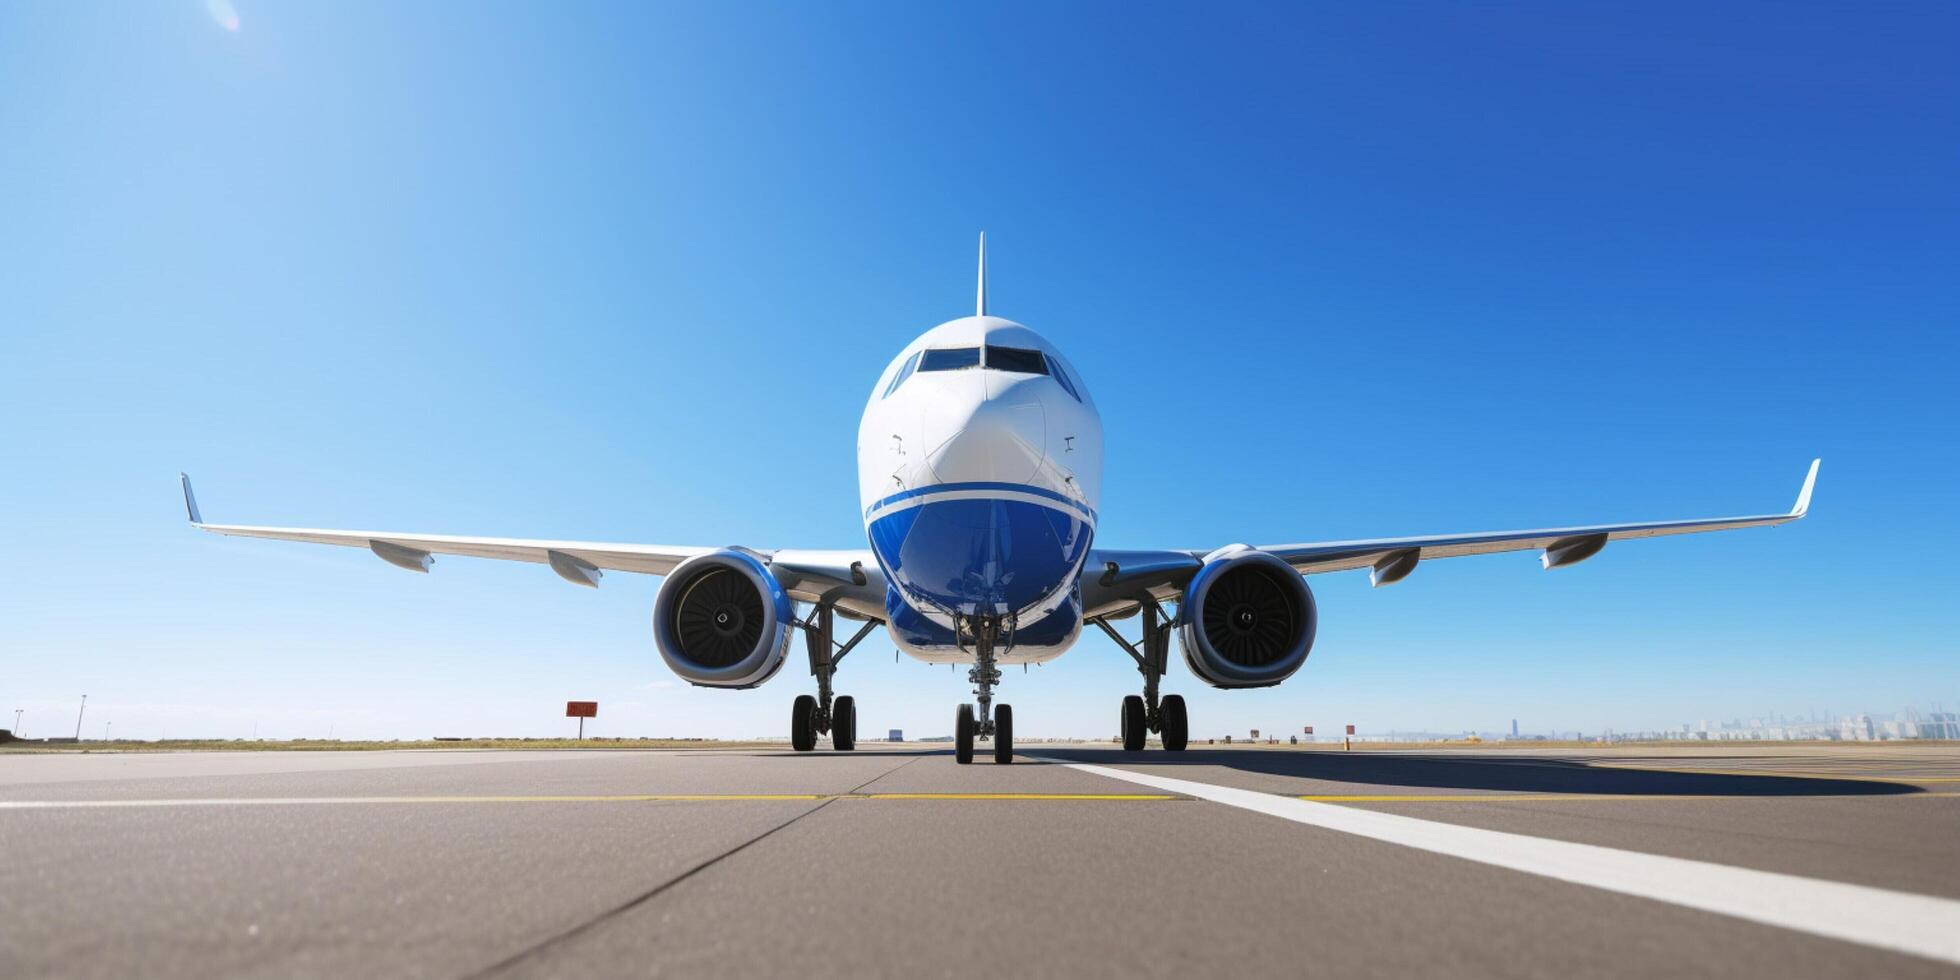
(1142,715)
(823,714)
(989,721)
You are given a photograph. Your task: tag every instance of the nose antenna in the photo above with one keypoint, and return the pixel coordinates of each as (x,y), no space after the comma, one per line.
(980,294)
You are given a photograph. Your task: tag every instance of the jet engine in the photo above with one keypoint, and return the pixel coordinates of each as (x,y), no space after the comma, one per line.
(722,620)
(1249,619)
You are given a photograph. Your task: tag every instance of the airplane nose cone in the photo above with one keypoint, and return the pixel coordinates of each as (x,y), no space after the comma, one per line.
(1000,439)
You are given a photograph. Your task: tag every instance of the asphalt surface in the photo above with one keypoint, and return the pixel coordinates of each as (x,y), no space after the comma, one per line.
(894,861)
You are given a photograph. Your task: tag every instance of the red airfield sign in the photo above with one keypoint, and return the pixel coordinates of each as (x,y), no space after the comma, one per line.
(581,709)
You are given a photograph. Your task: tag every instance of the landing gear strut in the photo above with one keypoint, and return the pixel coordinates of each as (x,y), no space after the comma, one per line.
(988,721)
(1149,713)
(813,716)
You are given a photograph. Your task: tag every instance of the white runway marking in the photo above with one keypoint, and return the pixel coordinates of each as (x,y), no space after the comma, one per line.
(1921,925)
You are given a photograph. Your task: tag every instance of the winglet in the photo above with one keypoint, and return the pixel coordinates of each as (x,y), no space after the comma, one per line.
(190,500)
(1803,496)
(980,294)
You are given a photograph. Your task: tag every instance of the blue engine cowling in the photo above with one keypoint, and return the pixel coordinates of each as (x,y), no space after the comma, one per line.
(722,620)
(1249,619)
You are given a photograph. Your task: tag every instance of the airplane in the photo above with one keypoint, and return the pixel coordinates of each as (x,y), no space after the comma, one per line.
(979,474)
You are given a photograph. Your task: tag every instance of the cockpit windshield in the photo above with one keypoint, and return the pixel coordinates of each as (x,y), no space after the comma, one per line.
(950,359)
(1015,359)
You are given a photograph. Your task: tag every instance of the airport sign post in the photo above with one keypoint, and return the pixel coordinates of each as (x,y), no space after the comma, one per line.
(581,710)
(1347,741)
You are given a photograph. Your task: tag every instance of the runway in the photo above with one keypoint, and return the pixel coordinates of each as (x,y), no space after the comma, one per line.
(894,861)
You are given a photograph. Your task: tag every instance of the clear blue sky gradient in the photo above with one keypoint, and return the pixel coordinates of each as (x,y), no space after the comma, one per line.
(628,271)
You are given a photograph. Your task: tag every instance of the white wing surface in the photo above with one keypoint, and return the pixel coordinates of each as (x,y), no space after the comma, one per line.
(807,575)
(1127,576)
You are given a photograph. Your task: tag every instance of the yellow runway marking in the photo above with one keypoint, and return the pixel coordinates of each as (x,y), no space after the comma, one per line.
(344,800)
(628,798)
(1785,773)
(1013,796)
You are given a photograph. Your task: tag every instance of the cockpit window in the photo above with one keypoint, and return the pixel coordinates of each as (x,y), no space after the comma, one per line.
(1016,359)
(903,373)
(1055,368)
(950,359)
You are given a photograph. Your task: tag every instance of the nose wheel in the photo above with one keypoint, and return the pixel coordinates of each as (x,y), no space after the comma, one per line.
(967,731)
(989,721)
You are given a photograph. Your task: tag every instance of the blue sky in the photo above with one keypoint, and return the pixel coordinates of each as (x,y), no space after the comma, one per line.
(628,271)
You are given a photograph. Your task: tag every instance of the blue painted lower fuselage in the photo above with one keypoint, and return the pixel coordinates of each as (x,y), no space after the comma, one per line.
(982,549)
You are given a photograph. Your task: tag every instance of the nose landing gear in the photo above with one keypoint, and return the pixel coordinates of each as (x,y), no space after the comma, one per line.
(1146,714)
(824,714)
(988,721)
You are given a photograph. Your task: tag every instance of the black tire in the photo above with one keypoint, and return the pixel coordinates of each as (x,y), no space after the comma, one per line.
(1003,735)
(1176,726)
(844,723)
(803,723)
(963,735)
(1133,724)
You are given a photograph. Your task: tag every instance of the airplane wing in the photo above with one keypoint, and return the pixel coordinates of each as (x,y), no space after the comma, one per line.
(807,575)
(1128,577)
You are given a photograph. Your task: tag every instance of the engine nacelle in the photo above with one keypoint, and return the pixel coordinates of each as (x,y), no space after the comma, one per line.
(1249,619)
(722,620)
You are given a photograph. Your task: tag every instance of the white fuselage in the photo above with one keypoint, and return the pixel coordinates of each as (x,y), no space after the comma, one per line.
(979,471)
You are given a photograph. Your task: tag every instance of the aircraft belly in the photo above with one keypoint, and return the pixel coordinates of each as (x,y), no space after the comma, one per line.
(981,550)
